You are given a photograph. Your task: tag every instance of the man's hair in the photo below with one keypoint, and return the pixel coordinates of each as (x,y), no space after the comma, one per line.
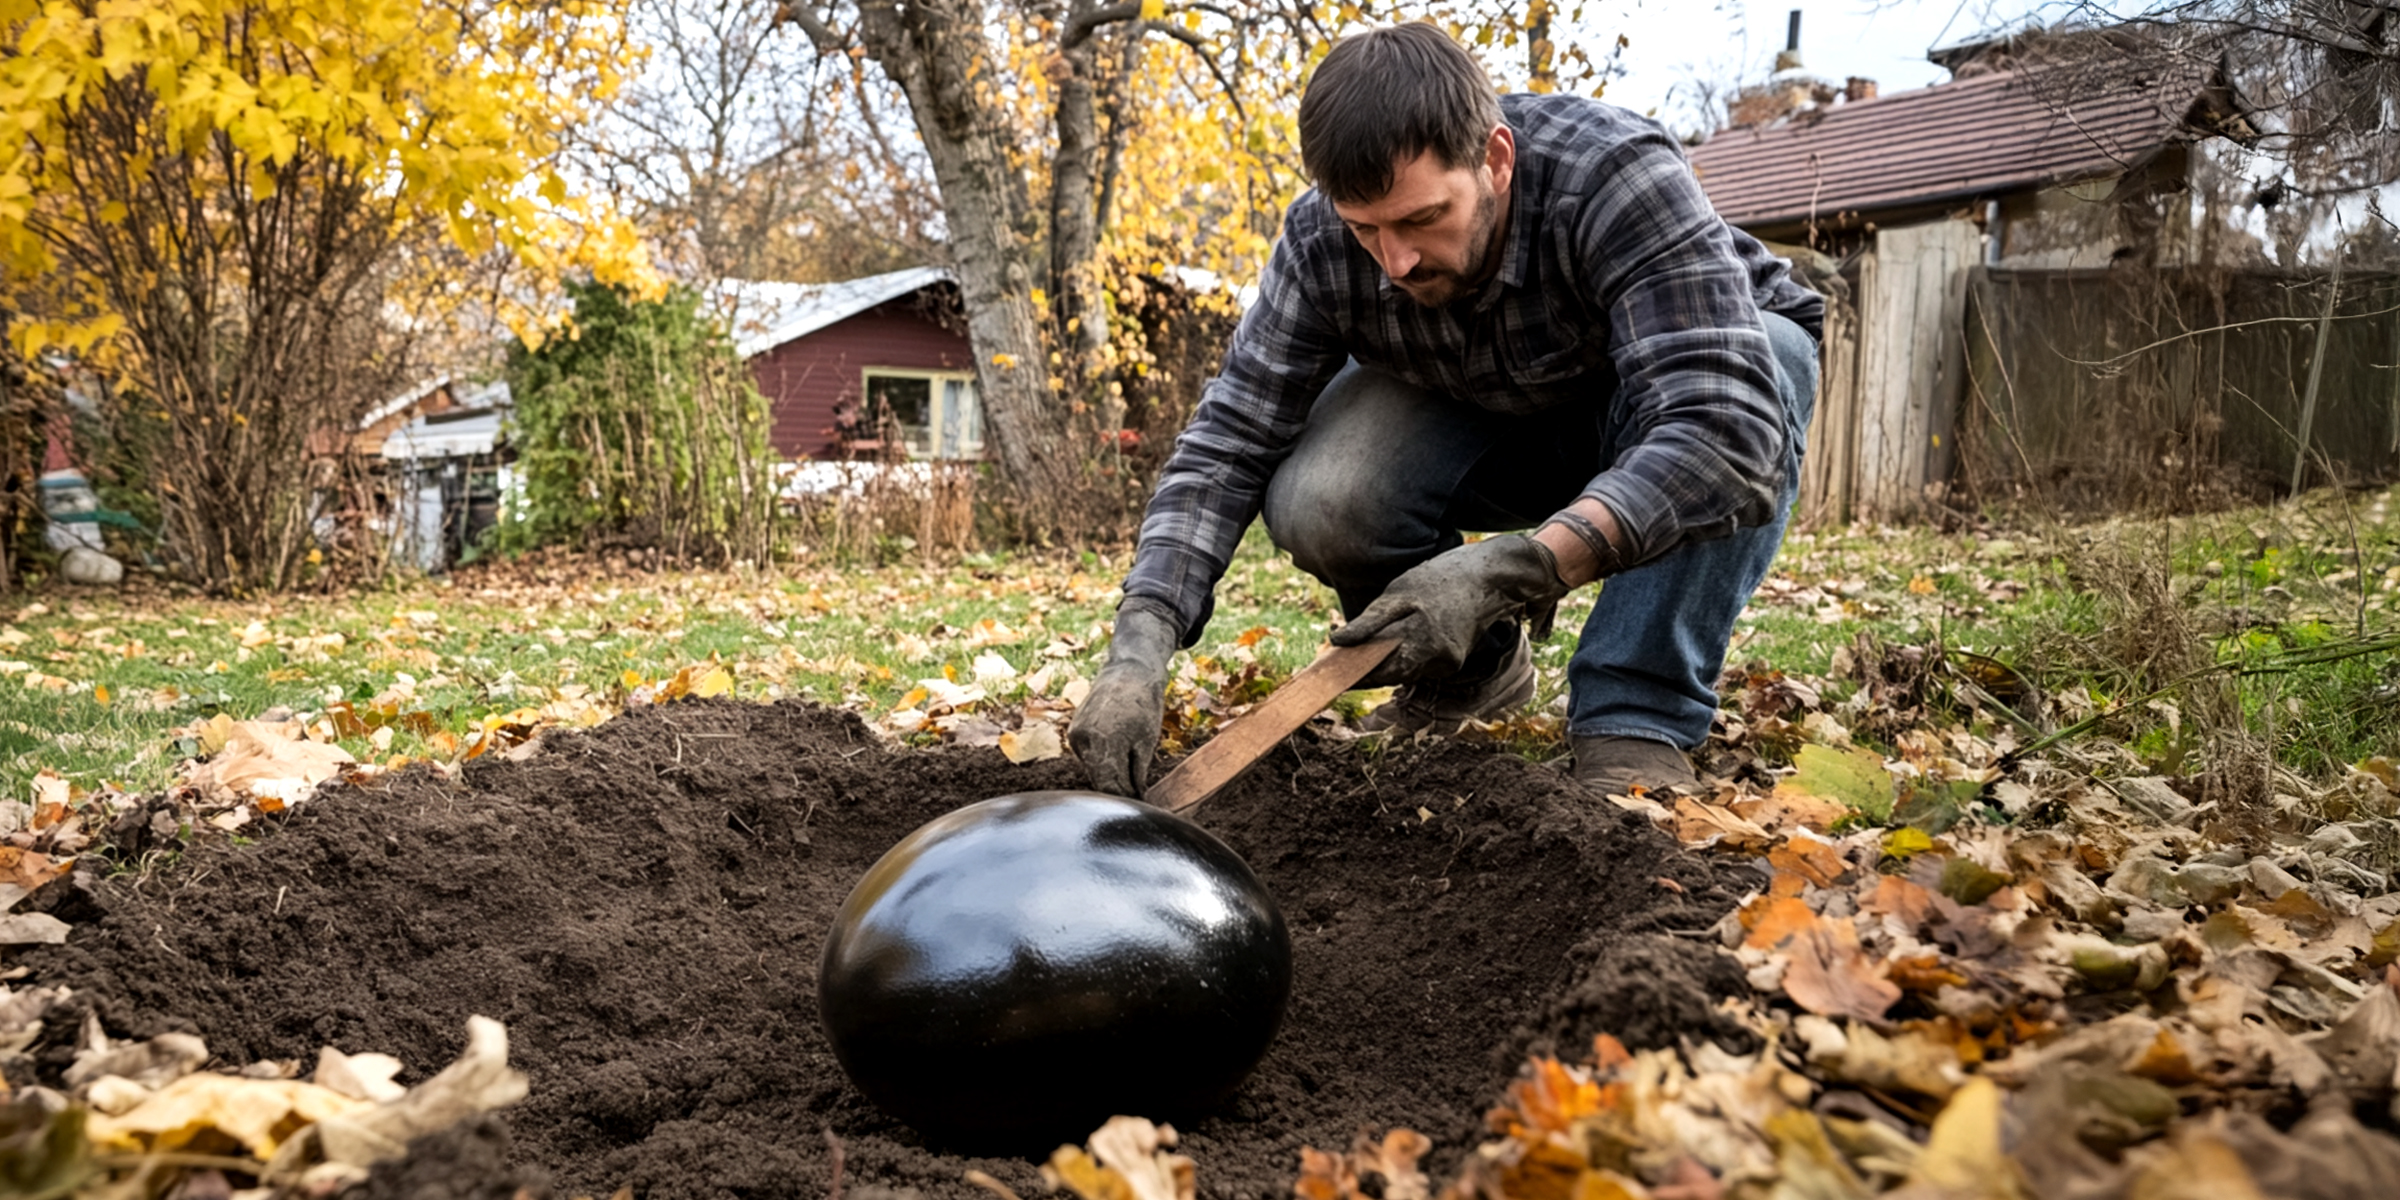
(1385,96)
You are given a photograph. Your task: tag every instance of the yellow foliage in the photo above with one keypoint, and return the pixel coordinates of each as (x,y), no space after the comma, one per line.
(446,116)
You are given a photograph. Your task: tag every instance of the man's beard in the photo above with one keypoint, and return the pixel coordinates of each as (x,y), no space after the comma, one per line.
(1439,287)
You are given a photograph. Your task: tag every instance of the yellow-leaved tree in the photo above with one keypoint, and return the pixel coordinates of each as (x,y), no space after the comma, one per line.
(238,208)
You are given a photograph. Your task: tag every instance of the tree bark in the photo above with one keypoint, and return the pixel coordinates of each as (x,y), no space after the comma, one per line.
(935,51)
(1075,301)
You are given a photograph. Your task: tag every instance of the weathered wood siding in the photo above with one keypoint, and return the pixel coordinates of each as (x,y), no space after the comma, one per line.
(1911,363)
(804,379)
(1827,473)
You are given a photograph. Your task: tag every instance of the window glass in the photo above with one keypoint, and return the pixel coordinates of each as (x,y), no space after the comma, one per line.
(910,403)
(962,420)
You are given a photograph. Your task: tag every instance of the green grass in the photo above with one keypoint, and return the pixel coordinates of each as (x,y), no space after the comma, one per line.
(2242,588)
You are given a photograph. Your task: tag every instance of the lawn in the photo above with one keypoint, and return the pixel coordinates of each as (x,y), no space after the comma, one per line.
(2080,832)
(110,688)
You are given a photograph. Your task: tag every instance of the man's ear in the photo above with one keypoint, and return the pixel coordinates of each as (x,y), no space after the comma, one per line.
(1500,157)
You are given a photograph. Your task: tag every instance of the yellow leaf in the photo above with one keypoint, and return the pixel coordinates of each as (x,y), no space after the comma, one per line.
(100,693)
(260,1114)
(714,683)
(1962,1157)
(1903,842)
(1153,10)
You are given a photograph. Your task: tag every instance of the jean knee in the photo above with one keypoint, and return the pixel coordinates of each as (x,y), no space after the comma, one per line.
(1325,526)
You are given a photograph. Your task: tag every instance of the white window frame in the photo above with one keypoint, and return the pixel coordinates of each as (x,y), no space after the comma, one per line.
(936,404)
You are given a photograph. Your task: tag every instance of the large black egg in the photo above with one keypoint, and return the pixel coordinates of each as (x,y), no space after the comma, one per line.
(1016,972)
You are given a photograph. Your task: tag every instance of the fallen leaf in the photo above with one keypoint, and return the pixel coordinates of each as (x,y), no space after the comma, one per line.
(359,1076)
(1853,778)
(32,929)
(1699,824)
(1128,1160)
(1962,1159)
(1829,974)
(1771,920)
(359,1135)
(1819,862)
(716,682)
(30,869)
(1037,741)
(258,1113)
(270,758)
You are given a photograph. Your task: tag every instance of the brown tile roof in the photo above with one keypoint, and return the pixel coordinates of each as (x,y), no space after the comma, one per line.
(1993,133)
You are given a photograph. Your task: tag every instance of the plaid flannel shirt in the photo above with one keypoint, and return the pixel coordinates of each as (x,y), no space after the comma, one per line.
(1618,285)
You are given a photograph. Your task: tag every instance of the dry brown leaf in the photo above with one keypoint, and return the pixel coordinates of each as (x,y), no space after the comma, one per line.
(1785,808)
(1911,904)
(30,869)
(1819,862)
(270,758)
(1698,824)
(1036,742)
(1829,974)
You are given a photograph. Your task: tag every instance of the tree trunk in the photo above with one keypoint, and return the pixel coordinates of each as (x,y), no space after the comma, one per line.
(936,52)
(1075,301)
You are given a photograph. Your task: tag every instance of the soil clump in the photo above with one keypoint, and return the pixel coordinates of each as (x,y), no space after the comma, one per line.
(644,906)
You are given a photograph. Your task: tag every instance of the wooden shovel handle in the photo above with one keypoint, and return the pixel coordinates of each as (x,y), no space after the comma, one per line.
(1239,746)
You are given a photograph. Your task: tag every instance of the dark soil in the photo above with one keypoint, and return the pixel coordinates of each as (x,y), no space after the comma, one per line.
(643,906)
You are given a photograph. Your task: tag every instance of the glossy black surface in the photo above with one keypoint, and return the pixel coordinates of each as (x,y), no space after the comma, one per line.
(1020,970)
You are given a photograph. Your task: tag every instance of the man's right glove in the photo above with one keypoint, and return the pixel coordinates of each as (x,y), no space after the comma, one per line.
(1115,731)
(1440,607)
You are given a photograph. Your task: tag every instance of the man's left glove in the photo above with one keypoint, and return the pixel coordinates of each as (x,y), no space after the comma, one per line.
(1116,728)
(1441,606)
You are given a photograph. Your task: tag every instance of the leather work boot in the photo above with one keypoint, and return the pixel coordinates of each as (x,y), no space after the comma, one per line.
(1441,706)
(1614,766)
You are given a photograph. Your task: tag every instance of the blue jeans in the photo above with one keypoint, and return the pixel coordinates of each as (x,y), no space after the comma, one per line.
(1387,475)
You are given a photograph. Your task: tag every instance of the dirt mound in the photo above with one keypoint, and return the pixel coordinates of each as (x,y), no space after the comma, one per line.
(644,904)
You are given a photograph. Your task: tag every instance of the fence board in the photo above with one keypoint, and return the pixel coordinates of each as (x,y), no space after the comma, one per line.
(1912,362)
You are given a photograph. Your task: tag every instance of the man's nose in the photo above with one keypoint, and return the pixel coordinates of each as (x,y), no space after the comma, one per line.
(1399,258)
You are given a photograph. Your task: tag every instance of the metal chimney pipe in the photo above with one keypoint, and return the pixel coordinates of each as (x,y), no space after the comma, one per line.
(1791,40)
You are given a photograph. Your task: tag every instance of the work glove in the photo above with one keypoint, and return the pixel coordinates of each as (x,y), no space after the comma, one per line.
(1439,609)
(1115,731)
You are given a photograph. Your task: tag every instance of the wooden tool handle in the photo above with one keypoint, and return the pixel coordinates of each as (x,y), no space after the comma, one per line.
(1239,746)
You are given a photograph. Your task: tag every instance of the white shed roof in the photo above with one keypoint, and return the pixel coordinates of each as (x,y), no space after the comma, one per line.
(447,435)
(766,314)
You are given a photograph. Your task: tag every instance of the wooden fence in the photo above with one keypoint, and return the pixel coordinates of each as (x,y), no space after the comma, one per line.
(1952,384)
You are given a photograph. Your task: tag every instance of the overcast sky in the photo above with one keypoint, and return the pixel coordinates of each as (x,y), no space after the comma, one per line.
(1883,40)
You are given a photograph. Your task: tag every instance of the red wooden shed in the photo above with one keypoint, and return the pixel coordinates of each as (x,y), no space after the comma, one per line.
(844,363)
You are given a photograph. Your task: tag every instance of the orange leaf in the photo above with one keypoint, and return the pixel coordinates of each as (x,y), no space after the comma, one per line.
(1253,635)
(1818,862)
(1924,973)
(1772,920)
(2165,1061)
(1608,1053)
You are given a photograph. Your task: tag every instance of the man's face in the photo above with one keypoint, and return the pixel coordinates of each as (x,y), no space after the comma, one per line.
(1436,232)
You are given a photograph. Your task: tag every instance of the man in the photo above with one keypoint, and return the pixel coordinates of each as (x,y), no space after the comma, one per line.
(1491,313)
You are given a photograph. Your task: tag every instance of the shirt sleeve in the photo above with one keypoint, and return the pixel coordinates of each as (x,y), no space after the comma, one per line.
(1701,443)
(1284,352)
